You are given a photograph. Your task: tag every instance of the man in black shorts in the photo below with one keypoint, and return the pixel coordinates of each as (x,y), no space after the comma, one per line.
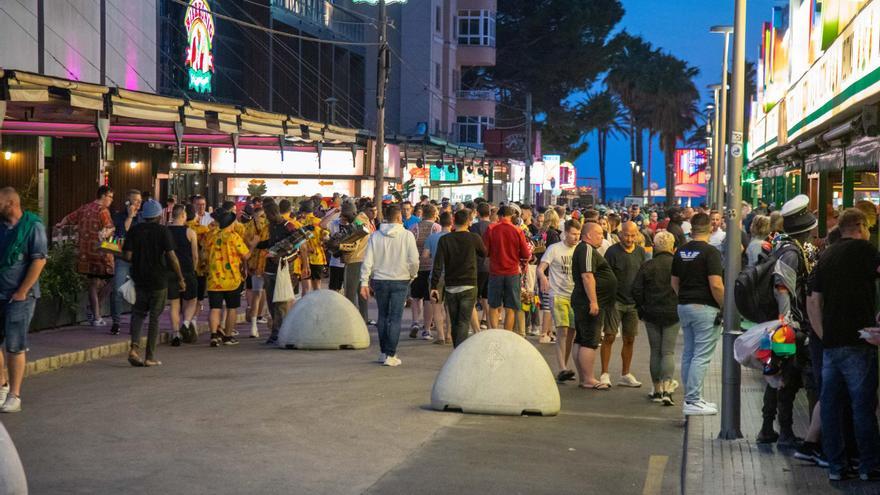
(592,298)
(187,251)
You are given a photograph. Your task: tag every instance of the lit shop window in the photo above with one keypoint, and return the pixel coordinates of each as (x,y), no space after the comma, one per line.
(476,27)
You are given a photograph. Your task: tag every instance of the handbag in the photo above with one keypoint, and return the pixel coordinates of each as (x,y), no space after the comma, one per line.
(127,291)
(283,285)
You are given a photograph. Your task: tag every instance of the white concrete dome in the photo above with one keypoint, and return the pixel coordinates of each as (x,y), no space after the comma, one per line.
(323,319)
(12,478)
(496,372)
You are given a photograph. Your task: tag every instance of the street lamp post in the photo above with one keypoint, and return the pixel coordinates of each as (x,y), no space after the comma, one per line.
(722,130)
(730,371)
(715,176)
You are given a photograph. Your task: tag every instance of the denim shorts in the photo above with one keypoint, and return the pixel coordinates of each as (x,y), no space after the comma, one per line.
(15,320)
(504,291)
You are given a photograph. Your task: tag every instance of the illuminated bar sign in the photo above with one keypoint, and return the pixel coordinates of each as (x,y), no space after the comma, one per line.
(199,22)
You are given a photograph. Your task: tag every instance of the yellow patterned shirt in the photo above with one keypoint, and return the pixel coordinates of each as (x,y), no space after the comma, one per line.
(316,243)
(225,252)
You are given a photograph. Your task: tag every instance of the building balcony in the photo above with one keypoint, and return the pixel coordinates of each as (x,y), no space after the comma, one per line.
(475,55)
(322,15)
(476,94)
(472,107)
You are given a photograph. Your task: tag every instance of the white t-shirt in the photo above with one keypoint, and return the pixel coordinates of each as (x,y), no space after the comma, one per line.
(716,239)
(558,256)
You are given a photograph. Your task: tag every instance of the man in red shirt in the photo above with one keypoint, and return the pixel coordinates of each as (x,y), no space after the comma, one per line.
(508,252)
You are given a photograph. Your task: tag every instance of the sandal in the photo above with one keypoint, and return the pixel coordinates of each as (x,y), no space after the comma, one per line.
(596,386)
(135,360)
(151,362)
(439,342)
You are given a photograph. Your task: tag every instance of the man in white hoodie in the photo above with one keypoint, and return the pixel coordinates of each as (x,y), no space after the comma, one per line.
(391,262)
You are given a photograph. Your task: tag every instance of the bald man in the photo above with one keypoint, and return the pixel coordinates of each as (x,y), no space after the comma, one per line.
(625,259)
(23,251)
(591,301)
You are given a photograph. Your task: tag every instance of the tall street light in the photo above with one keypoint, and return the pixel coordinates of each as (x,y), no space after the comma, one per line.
(730,371)
(715,176)
(722,131)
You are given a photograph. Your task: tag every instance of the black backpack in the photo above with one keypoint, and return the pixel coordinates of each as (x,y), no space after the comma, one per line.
(753,291)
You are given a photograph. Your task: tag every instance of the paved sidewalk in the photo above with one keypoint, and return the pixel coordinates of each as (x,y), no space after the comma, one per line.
(61,347)
(730,467)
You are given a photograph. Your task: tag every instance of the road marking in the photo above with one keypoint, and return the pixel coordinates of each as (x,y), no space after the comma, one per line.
(654,478)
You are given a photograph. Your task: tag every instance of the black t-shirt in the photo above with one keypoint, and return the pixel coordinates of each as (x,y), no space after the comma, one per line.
(693,264)
(845,276)
(676,230)
(182,248)
(586,259)
(625,266)
(480,229)
(148,243)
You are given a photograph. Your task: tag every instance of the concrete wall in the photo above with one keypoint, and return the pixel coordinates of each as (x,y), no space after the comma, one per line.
(73,41)
(478,4)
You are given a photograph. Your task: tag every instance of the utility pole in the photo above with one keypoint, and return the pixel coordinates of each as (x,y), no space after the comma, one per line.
(381,83)
(527,187)
(717,169)
(730,371)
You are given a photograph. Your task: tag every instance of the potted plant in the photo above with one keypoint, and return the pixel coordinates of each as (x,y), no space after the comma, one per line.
(61,288)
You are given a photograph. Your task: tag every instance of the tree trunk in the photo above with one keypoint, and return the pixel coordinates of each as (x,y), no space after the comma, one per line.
(603,142)
(638,190)
(669,151)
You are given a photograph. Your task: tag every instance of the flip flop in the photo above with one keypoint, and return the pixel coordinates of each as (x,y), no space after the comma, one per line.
(596,386)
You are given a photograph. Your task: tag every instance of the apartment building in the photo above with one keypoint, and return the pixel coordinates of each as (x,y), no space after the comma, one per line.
(440,49)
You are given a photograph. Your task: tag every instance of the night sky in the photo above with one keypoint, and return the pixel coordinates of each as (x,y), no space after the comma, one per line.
(680,27)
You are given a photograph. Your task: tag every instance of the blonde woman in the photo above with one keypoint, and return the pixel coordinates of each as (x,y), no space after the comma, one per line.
(657,305)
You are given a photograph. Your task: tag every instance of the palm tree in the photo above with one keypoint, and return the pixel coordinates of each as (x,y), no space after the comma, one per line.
(631,79)
(603,113)
(674,110)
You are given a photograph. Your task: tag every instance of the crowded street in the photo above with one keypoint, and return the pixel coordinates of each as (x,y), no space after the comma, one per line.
(440,246)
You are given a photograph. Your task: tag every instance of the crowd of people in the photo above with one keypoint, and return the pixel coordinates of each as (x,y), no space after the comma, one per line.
(582,279)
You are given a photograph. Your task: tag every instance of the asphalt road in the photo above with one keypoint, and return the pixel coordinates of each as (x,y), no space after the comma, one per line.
(252,419)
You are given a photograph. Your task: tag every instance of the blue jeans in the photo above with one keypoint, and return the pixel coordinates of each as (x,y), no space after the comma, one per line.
(854,370)
(700,336)
(120,275)
(390,297)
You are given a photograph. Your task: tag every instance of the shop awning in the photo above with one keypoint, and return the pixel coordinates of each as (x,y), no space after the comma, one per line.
(47,106)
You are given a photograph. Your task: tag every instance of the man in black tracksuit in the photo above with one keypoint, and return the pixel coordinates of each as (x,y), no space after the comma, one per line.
(456,263)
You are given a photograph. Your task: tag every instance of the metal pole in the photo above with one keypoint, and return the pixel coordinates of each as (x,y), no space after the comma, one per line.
(382,81)
(527,186)
(722,134)
(730,371)
(716,154)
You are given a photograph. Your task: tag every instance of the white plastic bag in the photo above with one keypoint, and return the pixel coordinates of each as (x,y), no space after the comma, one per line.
(745,345)
(127,291)
(283,285)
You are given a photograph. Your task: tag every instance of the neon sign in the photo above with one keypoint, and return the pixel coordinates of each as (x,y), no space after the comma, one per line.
(199,22)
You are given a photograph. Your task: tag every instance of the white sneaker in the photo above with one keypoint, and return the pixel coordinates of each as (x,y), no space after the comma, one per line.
(710,405)
(12,404)
(605,378)
(699,408)
(382,358)
(254,331)
(4,391)
(99,323)
(426,335)
(628,380)
(392,361)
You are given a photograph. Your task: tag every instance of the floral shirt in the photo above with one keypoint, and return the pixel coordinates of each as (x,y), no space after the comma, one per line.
(225,251)
(259,229)
(316,243)
(201,236)
(90,219)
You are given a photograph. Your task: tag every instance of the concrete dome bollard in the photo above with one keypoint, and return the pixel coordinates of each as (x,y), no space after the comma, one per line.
(496,372)
(12,478)
(323,319)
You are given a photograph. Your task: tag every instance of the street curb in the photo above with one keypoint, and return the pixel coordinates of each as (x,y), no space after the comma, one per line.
(68,359)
